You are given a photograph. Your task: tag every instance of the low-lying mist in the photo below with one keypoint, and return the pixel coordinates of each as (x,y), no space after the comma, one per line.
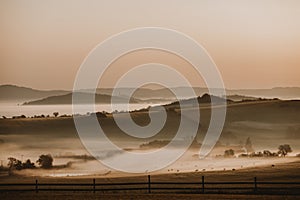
(267,124)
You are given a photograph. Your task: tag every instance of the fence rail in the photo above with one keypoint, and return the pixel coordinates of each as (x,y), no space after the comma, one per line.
(149,186)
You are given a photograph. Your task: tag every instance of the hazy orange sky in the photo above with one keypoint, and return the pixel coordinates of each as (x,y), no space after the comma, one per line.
(255,43)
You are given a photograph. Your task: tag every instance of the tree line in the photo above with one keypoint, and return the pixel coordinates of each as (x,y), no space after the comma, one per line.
(283,150)
(44,161)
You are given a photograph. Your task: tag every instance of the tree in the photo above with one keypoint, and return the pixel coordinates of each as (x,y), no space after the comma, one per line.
(28,164)
(229,153)
(283,150)
(13,163)
(267,153)
(248,146)
(45,161)
(55,114)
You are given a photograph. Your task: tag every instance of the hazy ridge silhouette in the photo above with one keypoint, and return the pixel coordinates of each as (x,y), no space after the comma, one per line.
(22,94)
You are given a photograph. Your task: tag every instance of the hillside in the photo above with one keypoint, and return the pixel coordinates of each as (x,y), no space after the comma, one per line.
(204,99)
(268,123)
(67,99)
(16,93)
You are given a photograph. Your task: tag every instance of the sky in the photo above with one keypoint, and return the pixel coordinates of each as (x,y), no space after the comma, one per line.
(254,43)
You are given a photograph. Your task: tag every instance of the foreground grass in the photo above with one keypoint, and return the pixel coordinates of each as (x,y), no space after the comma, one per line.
(285,172)
(87,196)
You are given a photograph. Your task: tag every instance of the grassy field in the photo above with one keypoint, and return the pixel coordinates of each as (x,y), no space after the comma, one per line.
(87,196)
(285,172)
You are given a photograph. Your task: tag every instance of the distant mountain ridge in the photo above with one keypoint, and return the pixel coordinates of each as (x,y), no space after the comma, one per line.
(82,98)
(22,94)
(276,92)
(146,93)
(17,93)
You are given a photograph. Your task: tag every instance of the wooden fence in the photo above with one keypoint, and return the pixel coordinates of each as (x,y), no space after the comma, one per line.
(256,187)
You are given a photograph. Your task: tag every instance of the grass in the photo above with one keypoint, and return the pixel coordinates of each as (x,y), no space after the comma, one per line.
(285,172)
(87,196)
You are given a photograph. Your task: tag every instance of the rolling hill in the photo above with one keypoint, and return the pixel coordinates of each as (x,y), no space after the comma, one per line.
(17,93)
(67,99)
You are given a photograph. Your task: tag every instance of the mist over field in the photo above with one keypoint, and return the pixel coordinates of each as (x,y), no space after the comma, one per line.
(268,123)
(149,99)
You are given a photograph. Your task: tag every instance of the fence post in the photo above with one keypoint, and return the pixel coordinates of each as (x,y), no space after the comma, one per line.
(36,186)
(94,185)
(203,184)
(149,184)
(255,184)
